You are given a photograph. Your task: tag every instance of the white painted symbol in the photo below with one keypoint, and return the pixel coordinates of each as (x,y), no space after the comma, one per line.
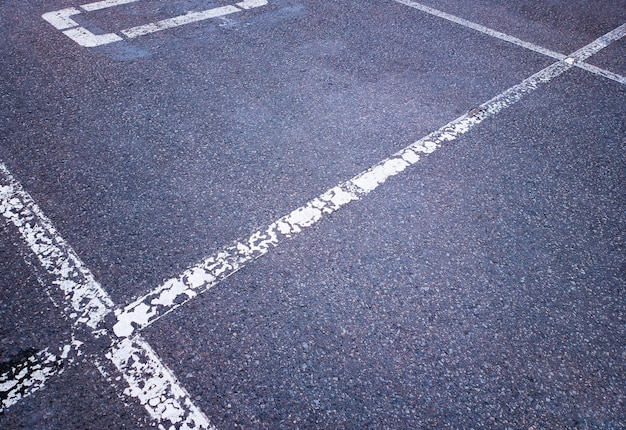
(62,20)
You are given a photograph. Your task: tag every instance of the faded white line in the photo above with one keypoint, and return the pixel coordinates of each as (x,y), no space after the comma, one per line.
(511,39)
(482,29)
(86,305)
(177,291)
(602,72)
(104,4)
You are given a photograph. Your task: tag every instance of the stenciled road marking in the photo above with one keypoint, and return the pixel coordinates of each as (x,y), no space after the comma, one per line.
(62,20)
(511,39)
(175,292)
(86,305)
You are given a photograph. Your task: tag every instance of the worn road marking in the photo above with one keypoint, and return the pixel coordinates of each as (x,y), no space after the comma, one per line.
(61,20)
(511,39)
(32,373)
(86,305)
(177,291)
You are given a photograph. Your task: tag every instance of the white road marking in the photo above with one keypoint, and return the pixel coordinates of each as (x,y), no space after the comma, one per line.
(481,28)
(104,4)
(177,21)
(177,291)
(86,304)
(87,39)
(133,356)
(61,20)
(511,39)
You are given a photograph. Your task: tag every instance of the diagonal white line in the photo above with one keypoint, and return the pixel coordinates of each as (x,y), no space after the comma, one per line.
(481,28)
(86,305)
(177,291)
(511,39)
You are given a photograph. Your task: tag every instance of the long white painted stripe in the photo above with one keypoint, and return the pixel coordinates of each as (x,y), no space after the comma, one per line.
(86,304)
(511,39)
(600,43)
(31,374)
(104,4)
(179,20)
(177,291)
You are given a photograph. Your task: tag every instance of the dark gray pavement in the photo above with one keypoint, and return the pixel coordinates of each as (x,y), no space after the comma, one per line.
(482,288)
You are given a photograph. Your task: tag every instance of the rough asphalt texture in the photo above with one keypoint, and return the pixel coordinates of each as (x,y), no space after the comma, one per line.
(482,288)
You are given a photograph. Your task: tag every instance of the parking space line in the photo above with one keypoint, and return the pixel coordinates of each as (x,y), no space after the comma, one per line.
(61,20)
(177,291)
(177,21)
(86,306)
(511,39)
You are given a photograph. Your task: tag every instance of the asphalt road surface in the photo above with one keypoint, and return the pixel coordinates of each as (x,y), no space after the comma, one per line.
(306,214)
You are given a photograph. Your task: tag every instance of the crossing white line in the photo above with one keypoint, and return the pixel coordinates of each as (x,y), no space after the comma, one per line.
(177,291)
(511,39)
(86,305)
(147,379)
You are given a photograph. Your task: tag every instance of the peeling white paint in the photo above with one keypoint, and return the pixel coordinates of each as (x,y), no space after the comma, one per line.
(155,386)
(86,301)
(147,379)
